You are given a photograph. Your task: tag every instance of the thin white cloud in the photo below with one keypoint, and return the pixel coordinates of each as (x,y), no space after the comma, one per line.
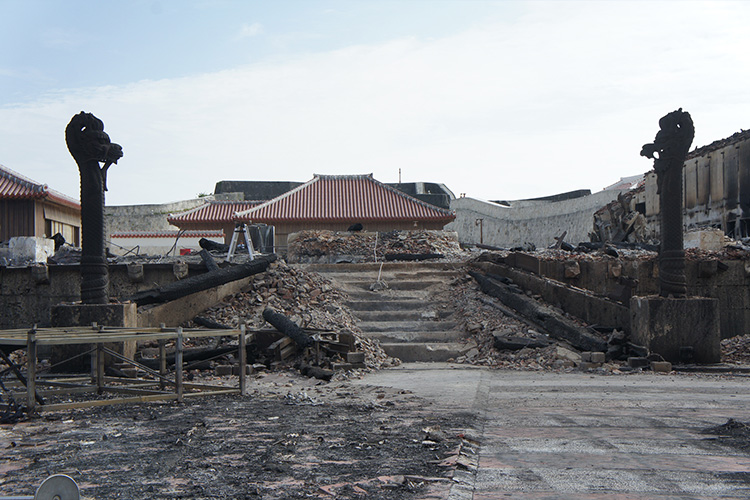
(250,30)
(62,39)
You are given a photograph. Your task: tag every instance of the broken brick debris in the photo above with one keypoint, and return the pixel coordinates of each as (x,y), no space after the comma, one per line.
(306,299)
(321,246)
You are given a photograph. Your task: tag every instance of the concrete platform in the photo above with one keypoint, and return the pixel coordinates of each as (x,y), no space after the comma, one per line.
(423,351)
(573,436)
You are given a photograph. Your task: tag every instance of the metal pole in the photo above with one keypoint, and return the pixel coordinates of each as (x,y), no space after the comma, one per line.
(99,368)
(162,358)
(243,361)
(31,376)
(178,365)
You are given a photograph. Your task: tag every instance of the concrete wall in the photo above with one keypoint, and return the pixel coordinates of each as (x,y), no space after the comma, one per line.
(122,218)
(526,222)
(26,297)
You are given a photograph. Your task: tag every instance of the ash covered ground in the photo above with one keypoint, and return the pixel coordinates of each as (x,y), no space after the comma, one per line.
(291,438)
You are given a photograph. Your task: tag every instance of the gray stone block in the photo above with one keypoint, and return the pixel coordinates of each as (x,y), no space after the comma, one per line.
(637,362)
(661,366)
(598,357)
(664,325)
(223,370)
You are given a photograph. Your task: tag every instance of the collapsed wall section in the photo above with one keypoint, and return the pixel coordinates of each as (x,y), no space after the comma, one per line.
(598,288)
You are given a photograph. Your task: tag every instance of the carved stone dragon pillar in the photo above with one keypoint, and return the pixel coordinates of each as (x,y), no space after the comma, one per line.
(668,151)
(90,145)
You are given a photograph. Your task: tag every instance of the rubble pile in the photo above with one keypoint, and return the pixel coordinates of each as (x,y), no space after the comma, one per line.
(736,350)
(482,320)
(621,221)
(733,251)
(308,299)
(604,253)
(322,246)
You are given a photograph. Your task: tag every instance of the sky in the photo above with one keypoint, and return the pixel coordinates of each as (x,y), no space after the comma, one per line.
(495,99)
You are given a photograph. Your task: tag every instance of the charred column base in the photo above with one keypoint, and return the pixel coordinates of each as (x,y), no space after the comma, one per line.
(63,315)
(671,326)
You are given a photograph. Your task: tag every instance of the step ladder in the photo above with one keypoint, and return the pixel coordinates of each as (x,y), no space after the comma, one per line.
(240,228)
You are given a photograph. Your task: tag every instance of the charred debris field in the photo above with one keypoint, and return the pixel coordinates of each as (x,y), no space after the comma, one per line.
(292,438)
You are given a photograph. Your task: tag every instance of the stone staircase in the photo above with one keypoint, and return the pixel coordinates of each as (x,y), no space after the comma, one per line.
(411,315)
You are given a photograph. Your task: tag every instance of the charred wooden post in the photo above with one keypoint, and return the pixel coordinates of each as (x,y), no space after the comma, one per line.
(208,259)
(287,327)
(90,145)
(179,388)
(672,143)
(315,372)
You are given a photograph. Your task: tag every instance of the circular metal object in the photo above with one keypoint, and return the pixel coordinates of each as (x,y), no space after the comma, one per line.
(58,487)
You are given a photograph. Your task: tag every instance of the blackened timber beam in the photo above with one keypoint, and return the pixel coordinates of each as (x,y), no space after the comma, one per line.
(555,324)
(202,282)
(287,327)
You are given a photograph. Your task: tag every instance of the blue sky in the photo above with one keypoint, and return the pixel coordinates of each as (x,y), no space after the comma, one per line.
(496,99)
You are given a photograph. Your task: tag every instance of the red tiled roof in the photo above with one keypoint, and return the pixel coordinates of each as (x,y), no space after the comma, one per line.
(344,198)
(15,186)
(211,212)
(168,234)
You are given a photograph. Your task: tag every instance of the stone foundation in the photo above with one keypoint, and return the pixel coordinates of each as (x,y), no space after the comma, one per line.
(117,315)
(670,326)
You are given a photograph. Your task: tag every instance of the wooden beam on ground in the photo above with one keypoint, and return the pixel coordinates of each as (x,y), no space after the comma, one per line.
(553,323)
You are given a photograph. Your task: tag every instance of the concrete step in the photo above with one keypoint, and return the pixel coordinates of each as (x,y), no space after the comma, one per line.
(425,352)
(407,304)
(406,314)
(441,276)
(406,326)
(387,267)
(395,285)
(384,297)
(402,336)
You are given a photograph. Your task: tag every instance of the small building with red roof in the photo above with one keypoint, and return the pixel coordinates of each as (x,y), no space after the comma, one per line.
(28,208)
(336,202)
(214,215)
